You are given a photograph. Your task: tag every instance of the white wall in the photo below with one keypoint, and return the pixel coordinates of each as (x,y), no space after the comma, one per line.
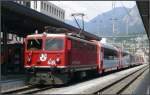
(48,11)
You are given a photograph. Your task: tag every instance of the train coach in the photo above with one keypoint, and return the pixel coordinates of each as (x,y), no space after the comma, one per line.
(58,58)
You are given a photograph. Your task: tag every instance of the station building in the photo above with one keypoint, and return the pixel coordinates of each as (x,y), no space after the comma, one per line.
(45,7)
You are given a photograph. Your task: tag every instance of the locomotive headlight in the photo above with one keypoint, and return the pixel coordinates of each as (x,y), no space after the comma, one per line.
(57,60)
(43,57)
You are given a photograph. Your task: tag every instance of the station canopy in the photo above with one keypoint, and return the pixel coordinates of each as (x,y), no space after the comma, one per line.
(143,7)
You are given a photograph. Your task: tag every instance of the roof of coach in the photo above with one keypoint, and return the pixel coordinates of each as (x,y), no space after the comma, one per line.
(59,35)
(79,39)
(110,47)
(110,50)
(125,52)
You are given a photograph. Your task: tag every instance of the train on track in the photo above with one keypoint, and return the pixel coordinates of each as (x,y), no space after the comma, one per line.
(58,58)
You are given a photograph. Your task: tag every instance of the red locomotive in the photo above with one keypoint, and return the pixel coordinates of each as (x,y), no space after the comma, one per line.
(57,58)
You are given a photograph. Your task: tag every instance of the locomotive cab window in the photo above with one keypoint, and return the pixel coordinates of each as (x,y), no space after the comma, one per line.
(54,44)
(34,44)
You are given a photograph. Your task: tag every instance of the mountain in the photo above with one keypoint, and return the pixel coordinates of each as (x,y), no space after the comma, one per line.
(102,24)
(134,21)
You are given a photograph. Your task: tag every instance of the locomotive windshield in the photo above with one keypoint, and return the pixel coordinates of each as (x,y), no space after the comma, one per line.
(34,44)
(54,44)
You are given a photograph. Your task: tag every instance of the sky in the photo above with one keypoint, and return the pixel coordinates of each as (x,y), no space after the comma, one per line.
(90,8)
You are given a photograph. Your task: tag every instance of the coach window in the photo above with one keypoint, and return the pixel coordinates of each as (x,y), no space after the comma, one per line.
(54,44)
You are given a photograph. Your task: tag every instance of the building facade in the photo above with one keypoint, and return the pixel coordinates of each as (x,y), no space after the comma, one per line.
(46,8)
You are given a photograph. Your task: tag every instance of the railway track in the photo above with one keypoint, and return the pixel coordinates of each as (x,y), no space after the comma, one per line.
(117,83)
(114,87)
(27,90)
(121,85)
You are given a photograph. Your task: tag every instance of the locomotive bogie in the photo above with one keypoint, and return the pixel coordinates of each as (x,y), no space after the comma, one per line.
(49,78)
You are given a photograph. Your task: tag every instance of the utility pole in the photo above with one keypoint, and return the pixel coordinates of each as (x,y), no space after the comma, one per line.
(81,15)
(127,27)
(113,24)
(113,18)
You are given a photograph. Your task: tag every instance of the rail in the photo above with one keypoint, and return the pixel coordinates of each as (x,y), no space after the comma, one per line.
(27,89)
(121,85)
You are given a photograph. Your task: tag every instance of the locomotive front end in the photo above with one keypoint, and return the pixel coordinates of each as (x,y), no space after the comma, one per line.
(45,58)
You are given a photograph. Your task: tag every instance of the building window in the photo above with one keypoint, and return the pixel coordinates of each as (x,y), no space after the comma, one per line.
(54,11)
(28,4)
(50,9)
(44,6)
(23,3)
(62,15)
(41,5)
(58,13)
(35,4)
(47,7)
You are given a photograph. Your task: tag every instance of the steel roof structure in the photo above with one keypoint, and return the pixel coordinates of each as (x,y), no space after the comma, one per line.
(143,7)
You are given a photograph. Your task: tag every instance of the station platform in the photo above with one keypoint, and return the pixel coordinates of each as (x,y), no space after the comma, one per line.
(12,81)
(12,77)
